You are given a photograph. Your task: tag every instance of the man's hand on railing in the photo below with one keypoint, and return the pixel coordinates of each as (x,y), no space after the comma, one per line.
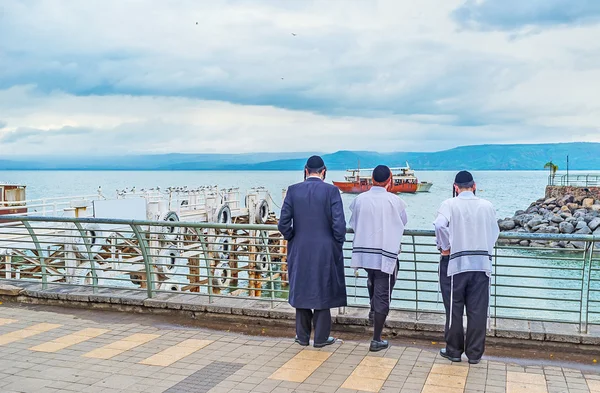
(445,252)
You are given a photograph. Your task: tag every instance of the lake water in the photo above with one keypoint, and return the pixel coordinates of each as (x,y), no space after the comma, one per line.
(507,190)
(527,287)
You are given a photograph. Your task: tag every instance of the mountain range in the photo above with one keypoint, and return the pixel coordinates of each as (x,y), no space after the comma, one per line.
(582,156)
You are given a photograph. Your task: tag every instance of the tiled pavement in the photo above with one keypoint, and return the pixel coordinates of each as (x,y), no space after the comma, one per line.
(45,351)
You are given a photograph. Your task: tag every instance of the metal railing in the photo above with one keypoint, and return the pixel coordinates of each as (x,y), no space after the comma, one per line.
(589,180)
(216,260)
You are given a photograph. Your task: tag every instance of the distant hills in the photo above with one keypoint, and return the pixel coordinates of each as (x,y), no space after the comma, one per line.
(582,156)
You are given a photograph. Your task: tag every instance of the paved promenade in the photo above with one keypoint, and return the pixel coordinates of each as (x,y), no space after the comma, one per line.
(44,349)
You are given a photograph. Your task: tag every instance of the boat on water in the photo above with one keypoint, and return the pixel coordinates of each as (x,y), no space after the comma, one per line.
(404,181)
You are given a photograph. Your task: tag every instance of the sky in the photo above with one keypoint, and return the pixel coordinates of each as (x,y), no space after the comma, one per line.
(106,77)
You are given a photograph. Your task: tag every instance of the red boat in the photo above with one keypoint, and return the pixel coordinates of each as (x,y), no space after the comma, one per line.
(355,183)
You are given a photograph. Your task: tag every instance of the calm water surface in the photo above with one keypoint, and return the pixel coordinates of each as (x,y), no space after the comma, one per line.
(507,190)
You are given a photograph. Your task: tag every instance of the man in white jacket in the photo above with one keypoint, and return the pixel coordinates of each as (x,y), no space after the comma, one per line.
(466,231)
(378,219)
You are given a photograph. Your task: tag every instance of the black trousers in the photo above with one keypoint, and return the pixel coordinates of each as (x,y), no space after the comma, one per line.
(320,319)
(380,286)
(471,291)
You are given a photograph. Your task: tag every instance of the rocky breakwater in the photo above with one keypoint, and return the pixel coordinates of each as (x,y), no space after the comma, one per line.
(569,215)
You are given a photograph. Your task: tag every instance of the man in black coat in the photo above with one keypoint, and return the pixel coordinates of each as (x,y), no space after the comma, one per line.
(312,221)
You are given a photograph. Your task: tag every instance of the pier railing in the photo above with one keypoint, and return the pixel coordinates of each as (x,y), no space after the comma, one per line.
(577,180)
(217,260)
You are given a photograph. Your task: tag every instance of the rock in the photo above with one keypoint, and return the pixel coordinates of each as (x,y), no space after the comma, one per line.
(507,225)
(581,224)
(565,216)
(578,199)
(555,210)
(562,244)
(566,227)
(519,212)
(565,200)
(588,218)
(534,222)
(532,210)
(557,219)
(584,231)
(525,218)
(503,242)
(578,245)
(596,232)
(524,243)
(572,206)
(595,208)
(588,203)
(565,209)
(549,201)
(538,227)
(548,229)
(594,224)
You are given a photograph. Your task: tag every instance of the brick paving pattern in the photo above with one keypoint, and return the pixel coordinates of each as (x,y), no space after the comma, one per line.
(44,351)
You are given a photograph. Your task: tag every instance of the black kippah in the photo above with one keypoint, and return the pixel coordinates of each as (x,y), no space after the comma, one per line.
(463,177)
(381,173)
(315,163)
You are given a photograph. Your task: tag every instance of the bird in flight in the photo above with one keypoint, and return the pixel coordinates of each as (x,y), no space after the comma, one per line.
(294,34)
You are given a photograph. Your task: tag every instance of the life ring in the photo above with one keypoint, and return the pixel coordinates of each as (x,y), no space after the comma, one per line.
(167,260)
(262,262)
(223,246)
(224,215)
(262,212)
(94,236)
(221,276)
(170,233)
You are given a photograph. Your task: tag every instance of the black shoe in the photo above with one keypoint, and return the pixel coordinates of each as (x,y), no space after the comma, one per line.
(446,356)
(297,341)
(377,346)
(474,361)
(371,317)
(329,341)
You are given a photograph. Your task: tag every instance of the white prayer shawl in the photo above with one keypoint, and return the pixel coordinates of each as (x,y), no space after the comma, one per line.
(473,232)
(378,219)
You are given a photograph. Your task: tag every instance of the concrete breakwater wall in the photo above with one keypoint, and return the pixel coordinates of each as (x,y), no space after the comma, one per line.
(570,213)
(560,192)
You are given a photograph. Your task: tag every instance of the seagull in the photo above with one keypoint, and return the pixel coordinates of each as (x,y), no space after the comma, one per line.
(294,34)
(282,78)
(196,22)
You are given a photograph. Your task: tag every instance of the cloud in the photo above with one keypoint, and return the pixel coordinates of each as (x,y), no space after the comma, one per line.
(66,124)
(517,14)
(381,75)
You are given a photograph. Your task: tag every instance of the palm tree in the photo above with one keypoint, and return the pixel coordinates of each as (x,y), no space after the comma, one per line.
(552,168)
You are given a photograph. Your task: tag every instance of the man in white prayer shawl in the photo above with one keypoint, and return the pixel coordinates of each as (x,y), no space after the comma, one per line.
(378,219)
(466,231)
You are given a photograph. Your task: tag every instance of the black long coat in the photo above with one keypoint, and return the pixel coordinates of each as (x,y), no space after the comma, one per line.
(312,221)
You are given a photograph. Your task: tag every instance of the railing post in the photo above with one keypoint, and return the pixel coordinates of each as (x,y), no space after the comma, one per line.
(206,262)
(143,243)
(414,244)
(587,277)
(88,249)
(265,240)
(40,252)
(494,268)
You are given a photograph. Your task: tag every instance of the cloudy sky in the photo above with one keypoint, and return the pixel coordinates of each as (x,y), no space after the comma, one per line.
(200,76)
